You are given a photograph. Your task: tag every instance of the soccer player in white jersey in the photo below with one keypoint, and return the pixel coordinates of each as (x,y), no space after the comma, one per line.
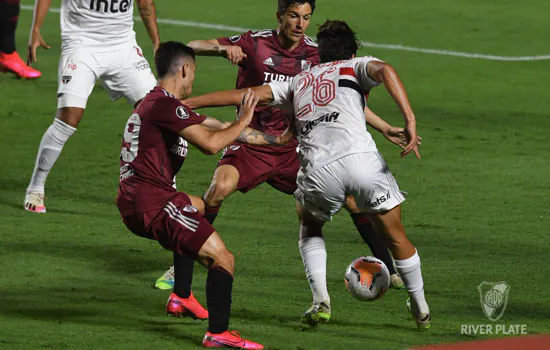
(338,157)
(98,42)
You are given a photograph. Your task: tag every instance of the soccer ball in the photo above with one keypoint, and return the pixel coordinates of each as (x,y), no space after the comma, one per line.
(367,278)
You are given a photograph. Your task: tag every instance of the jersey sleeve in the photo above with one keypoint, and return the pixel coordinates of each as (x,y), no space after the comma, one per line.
(282,94)
(245,41)
(172,115)
(361,71)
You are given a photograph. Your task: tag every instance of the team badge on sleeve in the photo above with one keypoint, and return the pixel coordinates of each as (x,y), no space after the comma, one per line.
(235,38)
(182,113)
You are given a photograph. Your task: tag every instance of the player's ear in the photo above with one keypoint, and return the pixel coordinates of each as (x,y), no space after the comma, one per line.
(185,70)
(279,19)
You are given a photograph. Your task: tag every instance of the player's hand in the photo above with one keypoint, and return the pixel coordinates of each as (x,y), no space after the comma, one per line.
(397,136)
(234,54)
(249,102)
(412,139)
(34,42)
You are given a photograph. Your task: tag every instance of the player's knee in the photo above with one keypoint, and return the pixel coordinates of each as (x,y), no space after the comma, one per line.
(225,259)
(70,115)
(223,187)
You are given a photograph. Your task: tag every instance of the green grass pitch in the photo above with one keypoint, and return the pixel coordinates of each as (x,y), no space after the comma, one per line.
(478,206)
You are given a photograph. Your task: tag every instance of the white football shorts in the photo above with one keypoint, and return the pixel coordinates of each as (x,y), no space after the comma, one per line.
(124,72)
(365,176)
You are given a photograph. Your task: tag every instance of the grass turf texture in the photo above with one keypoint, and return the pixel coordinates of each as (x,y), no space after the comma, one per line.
(477,208)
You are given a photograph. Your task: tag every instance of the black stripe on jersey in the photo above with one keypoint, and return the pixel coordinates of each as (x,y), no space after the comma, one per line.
(353,85)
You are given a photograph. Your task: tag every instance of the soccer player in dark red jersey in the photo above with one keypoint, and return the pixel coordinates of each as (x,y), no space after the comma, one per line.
(154,148)
(265,56)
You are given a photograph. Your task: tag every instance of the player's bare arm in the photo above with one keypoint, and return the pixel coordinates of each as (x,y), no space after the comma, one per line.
(233,53)
(211,142)
(384,73)
(249,135)
(393,134)
(148,14)
(230,97)
(41,8)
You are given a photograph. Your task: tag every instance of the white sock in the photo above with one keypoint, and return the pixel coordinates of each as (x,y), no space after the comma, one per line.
(314,256)
(50,148)
(411,274)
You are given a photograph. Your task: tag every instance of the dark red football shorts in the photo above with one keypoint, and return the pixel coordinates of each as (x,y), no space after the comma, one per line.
(255,168)
(179,226)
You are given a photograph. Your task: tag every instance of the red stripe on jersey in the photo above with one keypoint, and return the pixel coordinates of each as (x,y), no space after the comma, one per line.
(347,71)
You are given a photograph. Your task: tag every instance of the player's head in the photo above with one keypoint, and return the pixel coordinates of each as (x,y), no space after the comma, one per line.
(337,41)
(176,61)
(293,18)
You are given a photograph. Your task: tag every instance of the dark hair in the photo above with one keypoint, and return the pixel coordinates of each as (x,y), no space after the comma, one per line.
(337,41)
(169,55)
(286,4)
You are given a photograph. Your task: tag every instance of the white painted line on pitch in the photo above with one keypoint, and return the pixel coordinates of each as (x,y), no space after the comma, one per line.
(193,24)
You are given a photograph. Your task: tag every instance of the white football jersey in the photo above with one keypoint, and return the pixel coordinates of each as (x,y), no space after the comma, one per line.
(96,23)
(328,102)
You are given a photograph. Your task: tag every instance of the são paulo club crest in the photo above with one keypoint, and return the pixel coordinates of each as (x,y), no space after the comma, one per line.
(306,65)
(493,297)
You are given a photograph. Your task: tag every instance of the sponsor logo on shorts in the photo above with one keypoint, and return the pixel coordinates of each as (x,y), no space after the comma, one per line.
(310,124)
(234,147)
(380,200)
(140,54)
(190,209)
(182,113)
(66,76)
(141,65)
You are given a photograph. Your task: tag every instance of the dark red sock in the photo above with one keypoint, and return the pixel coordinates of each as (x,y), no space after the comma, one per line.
(210,213)
(219,286)
(9,16)
(183,274)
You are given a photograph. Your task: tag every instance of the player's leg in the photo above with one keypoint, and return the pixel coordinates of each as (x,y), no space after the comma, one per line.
(181,278)
(76,80)
(314,257)
(365,228)
(407,261)
(128,74)
(9,58)
(319,196)
(371,182)
(223,184)
(219,285)
(185,231)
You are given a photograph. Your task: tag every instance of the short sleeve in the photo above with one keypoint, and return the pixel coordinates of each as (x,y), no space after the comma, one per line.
(361,71)
(169,113)
(245,41)
(282,94)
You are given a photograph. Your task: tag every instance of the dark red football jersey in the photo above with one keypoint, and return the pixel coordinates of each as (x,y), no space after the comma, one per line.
(153,152)
(268,61)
